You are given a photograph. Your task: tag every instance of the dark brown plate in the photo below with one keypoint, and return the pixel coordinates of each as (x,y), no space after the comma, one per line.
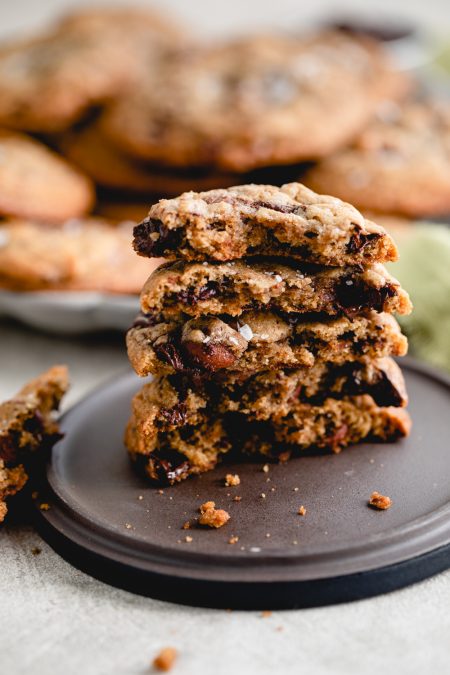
(107,521)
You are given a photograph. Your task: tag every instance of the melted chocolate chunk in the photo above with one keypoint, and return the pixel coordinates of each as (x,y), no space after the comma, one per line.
(384,393)
(280,208)
(190,296)
(358,240)
(356,295)
(146,244)
(169,353)
(209,356)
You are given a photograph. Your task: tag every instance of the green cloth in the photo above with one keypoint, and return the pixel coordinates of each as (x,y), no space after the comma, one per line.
(424,271)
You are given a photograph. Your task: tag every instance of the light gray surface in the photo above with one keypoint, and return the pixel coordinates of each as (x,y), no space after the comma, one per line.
(55,619)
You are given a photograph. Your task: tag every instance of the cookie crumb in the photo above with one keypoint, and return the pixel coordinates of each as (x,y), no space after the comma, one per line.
(140,497)
(262,495)
(302,511)
(36,550)
(188,539)
(266,468)
(165,659)
(212,517)
(206,506)
(233,540)
(237,498)
(232,479)
(380,501)
(128,526)
(296,489)
(44,506)
(266,613)
(268,535)
(186,525)
(284,457)
(35,494)
(160,492)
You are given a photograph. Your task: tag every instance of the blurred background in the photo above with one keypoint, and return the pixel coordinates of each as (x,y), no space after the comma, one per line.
(104,109)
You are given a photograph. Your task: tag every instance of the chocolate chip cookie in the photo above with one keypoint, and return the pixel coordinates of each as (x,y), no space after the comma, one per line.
(28,430)
(109,167)
(247,220)
(254,102)
(398,164)
(89,254)
(235,287)
(173,434)
(258,341)
(48,82)
(36,183)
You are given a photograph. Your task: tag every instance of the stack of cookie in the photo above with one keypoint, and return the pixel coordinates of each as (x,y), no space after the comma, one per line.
(271,331)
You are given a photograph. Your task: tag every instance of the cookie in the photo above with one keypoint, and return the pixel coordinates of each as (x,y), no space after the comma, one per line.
(291,221)
(235,287)
(81,255)
(28,430)
(111,168)
(169,440)
(36,183)
(399,164)
(258,341)
(47,83)
(254,102)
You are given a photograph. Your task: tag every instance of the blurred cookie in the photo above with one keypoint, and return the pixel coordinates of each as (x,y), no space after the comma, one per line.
(111,168)
(47,82)
(254,102)
(119,210)
(400,164)
(36,183)
(83,255)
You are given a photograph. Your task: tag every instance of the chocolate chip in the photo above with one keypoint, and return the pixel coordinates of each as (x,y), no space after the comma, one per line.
(146,242)
(175,416)
(210,356)
(358,240)
(384,393)
(165,466)
(169,353)
(190,296)
(353,293)
(280,208)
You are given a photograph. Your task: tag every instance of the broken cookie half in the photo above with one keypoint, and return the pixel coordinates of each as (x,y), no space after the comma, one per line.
(28,430)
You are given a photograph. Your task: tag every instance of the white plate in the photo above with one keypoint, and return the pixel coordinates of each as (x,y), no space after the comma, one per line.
(70,312)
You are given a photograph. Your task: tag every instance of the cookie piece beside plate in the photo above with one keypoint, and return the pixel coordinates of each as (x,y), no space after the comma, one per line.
(28,430)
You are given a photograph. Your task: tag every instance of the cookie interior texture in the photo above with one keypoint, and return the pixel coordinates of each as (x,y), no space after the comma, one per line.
(258,341)
(238,286)
(178,429)
(248,220)
(28,430)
